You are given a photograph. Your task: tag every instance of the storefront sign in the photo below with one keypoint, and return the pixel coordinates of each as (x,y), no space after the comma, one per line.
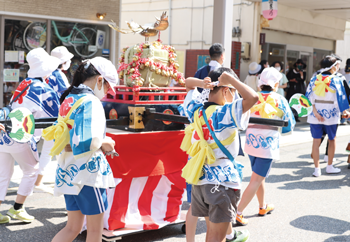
(11,75)
(11,56)
(262,38)
(100,39)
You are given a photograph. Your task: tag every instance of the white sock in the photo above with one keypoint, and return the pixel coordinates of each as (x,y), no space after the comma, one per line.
(239,213)
(265,206)
(330,166)
(317,168)
(230,236)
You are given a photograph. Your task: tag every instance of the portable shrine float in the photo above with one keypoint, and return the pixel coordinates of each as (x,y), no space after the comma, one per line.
(149,187)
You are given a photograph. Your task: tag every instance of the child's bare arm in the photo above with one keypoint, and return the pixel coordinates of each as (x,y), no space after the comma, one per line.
(250,97)
(192,83)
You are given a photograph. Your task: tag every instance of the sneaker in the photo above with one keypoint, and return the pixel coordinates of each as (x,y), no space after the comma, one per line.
(4,219)
(325,158)
(42,189)
(241,221)
(240,236)
(317,172)
(269,208)
(331,169)
(20,214)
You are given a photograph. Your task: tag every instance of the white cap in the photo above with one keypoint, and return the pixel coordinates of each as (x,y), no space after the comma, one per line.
(254,68)
(269,77)
(62,53)
(41,64)
(107,70)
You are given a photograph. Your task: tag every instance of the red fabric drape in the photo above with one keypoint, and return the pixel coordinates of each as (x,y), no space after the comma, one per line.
(147,154)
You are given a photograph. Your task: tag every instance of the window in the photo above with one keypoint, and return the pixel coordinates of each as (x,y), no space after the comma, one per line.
(85,41)
(17,43)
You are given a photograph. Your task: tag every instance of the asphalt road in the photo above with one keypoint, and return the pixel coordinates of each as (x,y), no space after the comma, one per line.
(307,208)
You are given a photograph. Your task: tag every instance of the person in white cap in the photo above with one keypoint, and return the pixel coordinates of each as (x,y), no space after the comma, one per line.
(59,83)
(58,80)
(34,94)
(252,78)
(83,173)
(262,142)
(328,97)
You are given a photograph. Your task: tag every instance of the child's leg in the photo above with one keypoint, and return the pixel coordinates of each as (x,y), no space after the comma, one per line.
(260,194)
(253,186)
(7,167)
(216,232)
(191,226)
(45,159)
(72,228)
(315,152)
(94,225)
(331,151)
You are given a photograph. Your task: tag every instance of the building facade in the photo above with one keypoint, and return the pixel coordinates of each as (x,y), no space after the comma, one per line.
(299,31)
(25,25)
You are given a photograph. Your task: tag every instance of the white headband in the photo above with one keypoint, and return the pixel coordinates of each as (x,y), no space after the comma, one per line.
(328,68)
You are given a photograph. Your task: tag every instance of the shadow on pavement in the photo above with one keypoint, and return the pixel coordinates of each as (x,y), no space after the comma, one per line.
(38,230)
(308,156)
(321,224)
(317,184)
(344,238)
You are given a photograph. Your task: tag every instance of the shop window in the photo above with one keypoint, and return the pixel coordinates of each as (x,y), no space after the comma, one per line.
(17,42)
(273,52)
(318,56)
(292,57)
(85,41)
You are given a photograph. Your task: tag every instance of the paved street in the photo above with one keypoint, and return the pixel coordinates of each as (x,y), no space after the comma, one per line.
(307,208)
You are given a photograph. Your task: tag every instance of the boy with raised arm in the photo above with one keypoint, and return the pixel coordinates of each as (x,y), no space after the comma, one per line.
(211,142)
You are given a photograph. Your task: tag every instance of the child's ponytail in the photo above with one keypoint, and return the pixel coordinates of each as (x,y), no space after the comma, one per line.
(83,72)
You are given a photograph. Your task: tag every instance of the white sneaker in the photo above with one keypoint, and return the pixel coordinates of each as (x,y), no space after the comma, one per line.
(331,169)
(325,158)
(42,188)
(317,172)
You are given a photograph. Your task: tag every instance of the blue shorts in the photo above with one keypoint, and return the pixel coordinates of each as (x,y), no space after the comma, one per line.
(189,191)
(260,166)
(90,201)
(317,130)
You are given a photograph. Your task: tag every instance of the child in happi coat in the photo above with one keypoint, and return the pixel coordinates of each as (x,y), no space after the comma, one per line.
(59,83)
(83,173)
(211,142)
(34,94)
(262,141)
(328,97)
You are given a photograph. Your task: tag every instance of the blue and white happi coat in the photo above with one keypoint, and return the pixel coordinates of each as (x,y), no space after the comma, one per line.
(262,140)
(225,121)
(337,102)
(58,81)
(41,100)
(86,164)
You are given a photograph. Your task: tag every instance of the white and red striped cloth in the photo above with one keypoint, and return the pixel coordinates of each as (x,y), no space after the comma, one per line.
(145,202)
